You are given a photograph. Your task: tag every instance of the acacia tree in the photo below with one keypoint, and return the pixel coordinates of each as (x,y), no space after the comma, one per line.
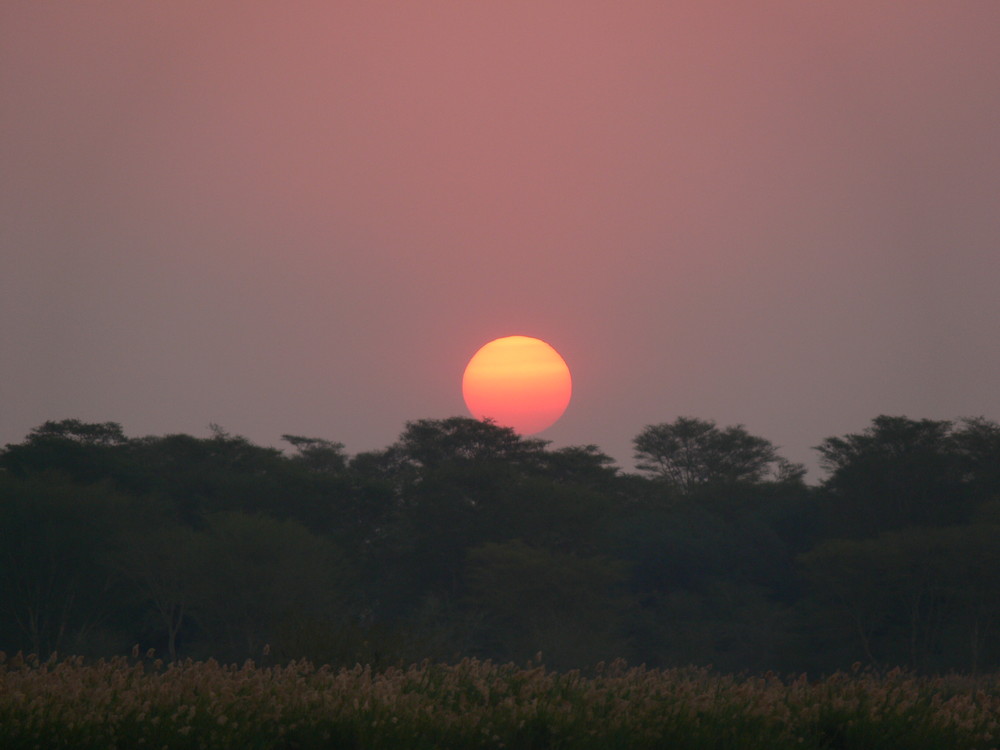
(689,452)
(86,433)
(901,472)
(87,452)
(318,455)
(431,443)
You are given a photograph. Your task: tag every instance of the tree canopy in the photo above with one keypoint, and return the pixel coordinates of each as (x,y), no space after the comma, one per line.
(463,538)
(689,453)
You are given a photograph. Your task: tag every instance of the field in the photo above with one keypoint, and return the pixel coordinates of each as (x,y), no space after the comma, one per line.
(133,703)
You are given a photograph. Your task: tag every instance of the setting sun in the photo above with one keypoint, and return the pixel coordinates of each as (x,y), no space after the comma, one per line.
(519,382)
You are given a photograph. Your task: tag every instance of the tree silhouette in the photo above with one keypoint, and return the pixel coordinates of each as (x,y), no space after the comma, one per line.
(689,453)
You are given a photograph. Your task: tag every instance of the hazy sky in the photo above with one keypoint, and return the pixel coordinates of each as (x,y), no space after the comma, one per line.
(306,217)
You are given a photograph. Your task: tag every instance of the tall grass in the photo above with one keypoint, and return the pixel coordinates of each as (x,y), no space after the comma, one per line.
(129,703)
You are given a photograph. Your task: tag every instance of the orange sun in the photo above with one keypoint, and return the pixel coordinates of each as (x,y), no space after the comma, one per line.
(518,382)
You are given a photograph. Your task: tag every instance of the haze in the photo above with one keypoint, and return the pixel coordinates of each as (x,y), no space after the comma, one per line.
(306,218)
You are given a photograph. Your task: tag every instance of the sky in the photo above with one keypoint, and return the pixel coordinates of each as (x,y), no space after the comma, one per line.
(306,217)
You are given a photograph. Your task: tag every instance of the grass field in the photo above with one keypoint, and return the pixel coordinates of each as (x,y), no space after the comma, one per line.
(131,703)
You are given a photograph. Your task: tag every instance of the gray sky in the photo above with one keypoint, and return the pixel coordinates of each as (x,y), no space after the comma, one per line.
(305,218)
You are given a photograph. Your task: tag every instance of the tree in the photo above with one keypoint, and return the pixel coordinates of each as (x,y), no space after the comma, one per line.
(318,455)
(581,464)
(977,443)
(898,472)
(58,583)
(459,483)
(263,575)
(924,597)
(168,565)
(566,606)
(87,452)
(690,453)
(87,433)
(428,443)
(732,626)
(223,472)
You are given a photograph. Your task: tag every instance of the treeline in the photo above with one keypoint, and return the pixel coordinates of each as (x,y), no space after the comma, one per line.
(464,539)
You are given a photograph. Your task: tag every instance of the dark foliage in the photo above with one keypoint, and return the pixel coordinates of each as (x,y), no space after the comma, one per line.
(463,538)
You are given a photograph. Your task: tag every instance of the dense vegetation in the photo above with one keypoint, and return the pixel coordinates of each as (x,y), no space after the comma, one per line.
(462,539)
(473,704)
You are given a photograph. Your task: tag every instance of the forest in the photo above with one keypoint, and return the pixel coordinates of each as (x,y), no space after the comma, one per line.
(464,540)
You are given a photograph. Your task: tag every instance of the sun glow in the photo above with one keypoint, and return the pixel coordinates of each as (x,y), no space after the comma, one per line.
(519,382)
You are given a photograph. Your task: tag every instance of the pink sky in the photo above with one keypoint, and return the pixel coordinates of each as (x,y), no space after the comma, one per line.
(305,218)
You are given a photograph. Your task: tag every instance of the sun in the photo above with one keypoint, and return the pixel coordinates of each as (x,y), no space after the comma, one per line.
(518,382)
